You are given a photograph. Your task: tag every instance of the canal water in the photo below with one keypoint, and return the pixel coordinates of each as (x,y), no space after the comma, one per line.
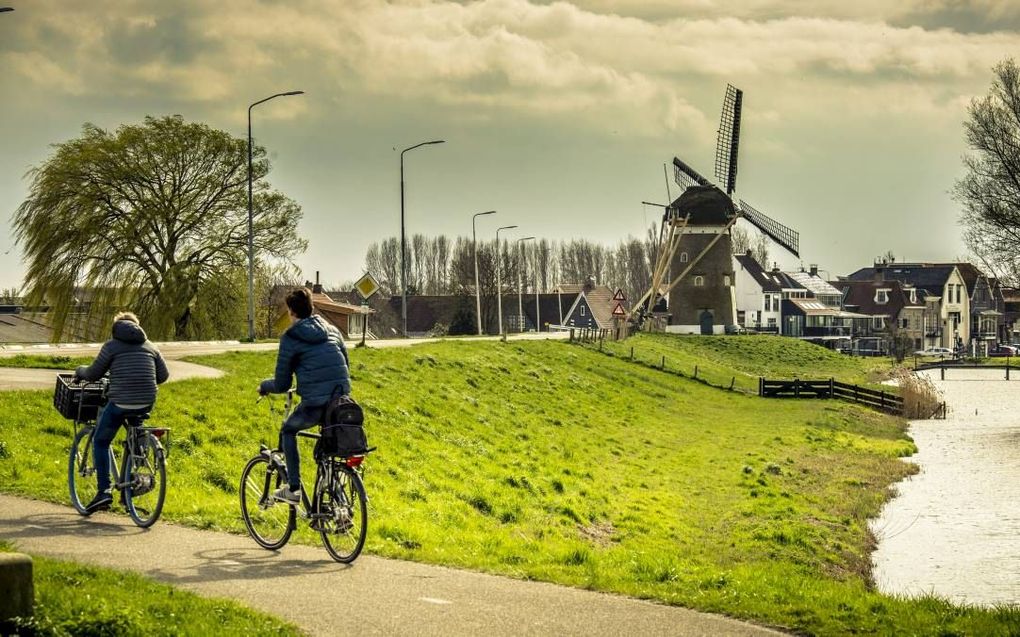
(954,527)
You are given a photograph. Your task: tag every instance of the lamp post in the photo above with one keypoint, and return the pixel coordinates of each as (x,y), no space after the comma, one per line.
(403,241)
(520,286)
(474,250)
(251,224)
(499,283)
(538,310)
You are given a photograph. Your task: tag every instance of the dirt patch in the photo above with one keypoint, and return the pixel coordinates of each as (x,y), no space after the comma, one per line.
(598,533)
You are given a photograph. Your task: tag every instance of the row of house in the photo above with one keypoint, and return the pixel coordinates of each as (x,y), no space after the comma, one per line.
(951,305)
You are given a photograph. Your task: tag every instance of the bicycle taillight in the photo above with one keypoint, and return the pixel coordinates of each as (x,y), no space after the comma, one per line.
(354,461)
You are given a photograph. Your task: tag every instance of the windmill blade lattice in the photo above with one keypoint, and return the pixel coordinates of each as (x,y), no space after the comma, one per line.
(685,176)
(786,237)
(728,139)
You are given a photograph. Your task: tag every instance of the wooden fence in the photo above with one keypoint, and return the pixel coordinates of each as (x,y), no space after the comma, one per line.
(796,388)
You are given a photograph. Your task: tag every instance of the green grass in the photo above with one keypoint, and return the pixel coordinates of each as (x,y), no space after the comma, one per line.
(546,461)
(721,360)
(74,599)
(44,361)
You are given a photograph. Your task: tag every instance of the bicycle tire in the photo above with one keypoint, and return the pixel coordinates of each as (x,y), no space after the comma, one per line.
(270,523)
(147,477)
(344,507)
(81,471)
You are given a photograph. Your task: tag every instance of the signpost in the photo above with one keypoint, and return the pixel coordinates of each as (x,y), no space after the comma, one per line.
(366,286)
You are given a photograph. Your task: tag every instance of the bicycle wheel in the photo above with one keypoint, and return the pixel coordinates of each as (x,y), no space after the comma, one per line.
(145,481)
(81,471)
(342,515)
(269,522)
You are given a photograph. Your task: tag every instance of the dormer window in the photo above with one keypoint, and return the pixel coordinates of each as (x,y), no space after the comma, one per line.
(882,296)
(913,296)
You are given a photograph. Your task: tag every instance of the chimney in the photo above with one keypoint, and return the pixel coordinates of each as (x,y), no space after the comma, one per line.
(589,285)
(814,269)
(775,267)
(879,272)
(317,288)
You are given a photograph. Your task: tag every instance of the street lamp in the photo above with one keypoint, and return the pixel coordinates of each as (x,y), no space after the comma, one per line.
(251,224)
(520,286)
(403,241)
(499,284)
(538,310)
(474,249)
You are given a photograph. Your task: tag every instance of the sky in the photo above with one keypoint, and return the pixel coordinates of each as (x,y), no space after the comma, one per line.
(559,115)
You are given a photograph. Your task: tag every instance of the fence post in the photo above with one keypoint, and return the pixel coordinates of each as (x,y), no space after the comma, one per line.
(632,353)
(695,372)
(761,386)
(663,363)
(883,400)
(942,370)
(732,382)
(796,388)
(832,388)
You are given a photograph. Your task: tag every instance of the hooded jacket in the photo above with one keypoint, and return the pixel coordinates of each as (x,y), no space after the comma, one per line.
(314,351)
(135,366)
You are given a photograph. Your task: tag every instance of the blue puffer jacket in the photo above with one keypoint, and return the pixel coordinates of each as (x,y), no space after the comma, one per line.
(315,352)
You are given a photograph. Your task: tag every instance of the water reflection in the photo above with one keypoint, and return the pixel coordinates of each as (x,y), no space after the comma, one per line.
(954,528)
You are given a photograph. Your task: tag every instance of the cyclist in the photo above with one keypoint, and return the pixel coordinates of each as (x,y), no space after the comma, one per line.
(314,351)
(136,368)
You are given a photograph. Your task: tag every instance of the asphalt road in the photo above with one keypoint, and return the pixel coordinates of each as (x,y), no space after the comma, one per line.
(373,597)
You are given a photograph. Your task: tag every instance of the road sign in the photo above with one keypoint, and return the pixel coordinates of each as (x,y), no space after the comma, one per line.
(619,311)
(367,286)
(619,295)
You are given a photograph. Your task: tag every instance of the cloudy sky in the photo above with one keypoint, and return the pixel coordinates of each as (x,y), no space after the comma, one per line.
(559,115)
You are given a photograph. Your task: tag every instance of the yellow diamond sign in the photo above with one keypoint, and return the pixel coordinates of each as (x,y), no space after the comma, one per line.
(367,286)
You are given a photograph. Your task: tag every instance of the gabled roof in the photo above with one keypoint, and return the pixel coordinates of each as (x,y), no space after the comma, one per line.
(785,281)
(19,328)
(860,295)
(758,273)
(812,307)
(600,300)
(931,277)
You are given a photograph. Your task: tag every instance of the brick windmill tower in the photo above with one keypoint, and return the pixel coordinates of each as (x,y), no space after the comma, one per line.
(695,265)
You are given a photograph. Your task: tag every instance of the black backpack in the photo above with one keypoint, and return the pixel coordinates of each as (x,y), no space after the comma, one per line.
(343,430)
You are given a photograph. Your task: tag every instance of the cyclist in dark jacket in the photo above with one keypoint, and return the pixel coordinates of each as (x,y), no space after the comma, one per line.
(314,351)
(136,368)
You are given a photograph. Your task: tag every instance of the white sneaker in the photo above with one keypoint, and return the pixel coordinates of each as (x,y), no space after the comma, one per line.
(284,494)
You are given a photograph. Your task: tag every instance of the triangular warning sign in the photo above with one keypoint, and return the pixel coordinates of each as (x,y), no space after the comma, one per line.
(619,295)
(619,311)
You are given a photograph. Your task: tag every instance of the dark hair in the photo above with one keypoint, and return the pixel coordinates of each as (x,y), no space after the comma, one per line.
(300,302)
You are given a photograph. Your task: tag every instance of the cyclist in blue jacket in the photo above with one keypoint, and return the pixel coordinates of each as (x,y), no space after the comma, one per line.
(314,351)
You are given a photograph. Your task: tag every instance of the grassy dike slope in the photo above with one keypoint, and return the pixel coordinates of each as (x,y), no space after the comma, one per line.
(547,461)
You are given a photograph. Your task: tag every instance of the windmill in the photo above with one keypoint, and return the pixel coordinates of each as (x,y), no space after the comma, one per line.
(695,263)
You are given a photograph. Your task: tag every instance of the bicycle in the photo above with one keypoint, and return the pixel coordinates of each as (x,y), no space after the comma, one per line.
(140,475)
(338,509)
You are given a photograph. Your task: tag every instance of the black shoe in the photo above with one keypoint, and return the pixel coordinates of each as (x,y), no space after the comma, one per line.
(101,502)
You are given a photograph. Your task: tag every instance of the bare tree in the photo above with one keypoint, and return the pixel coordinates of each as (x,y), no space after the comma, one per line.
(990,192)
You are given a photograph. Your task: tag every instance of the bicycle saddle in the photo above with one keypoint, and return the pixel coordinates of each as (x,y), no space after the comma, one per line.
(136,420)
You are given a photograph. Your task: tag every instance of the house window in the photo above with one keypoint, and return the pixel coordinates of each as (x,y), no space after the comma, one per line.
(726,279)
(905,323)
(768,302)
(683,257)
(913,296)
(772,322)
(879,322)
(882,296)
(582,310)
(699,281)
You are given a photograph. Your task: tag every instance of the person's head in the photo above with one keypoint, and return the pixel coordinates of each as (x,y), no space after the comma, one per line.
(126,316)
(299,303)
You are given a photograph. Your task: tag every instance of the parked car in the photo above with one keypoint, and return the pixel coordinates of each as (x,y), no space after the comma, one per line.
(934,351)
(1004,350)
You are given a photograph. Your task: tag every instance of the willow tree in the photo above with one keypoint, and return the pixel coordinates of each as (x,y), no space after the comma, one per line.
(990,191)
(152,217)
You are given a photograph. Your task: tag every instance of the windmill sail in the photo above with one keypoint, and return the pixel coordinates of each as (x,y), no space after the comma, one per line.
(685,176)
(786,237)
(728,139)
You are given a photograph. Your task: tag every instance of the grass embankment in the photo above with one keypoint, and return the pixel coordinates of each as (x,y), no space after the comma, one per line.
(741,360)
(545,461)
(44,361)
(73,599)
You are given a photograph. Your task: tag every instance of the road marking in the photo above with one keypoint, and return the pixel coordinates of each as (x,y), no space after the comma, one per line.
(434,600)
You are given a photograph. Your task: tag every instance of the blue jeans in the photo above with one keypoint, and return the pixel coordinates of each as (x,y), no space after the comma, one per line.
(110,420)
(303,417)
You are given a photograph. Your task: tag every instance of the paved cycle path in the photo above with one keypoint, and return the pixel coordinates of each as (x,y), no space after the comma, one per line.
(375,596)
